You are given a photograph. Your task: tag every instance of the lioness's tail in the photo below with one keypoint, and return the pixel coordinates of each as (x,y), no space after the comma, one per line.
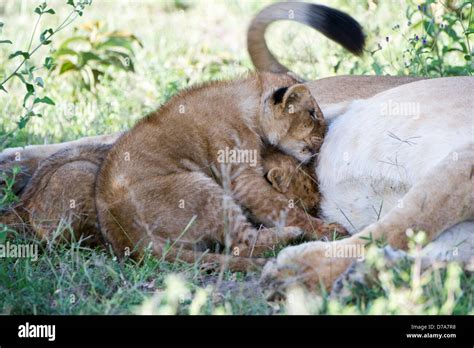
(334,24)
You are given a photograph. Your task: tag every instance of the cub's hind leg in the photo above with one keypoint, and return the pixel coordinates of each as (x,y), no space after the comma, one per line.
(183,208)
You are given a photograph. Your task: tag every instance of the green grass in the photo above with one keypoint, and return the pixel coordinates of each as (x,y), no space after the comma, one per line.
(68,278)
(187,42)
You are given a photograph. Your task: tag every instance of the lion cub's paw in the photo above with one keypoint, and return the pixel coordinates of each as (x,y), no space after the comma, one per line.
(332,230)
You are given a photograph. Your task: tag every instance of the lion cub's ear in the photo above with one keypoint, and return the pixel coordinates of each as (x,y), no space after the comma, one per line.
(292,96)
(276,176)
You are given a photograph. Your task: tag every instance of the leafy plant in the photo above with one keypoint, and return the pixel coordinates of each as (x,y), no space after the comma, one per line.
(92,49)
(26,70)
(7,195)
(439,37)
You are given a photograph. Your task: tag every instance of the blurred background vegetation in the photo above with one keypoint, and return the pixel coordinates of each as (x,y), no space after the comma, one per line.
(120,59)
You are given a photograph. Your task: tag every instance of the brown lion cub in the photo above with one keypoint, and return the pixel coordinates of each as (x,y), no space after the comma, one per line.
(184,173)
(57,203)
(295,180)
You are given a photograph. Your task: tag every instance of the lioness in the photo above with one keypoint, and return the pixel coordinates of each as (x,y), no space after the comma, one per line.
(382,173)
(410,172)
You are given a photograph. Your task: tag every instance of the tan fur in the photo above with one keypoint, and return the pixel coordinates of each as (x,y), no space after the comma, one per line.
(165,173)
(296,181)
(444,199)
(327,91)
(45,207)
(58,200)
(65,176)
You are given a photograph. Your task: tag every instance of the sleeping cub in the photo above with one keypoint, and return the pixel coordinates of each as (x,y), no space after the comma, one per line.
(184,173)
(62,189)
(58,201)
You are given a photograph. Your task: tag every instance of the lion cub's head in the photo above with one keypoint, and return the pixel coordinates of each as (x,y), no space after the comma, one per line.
(293,121)
(296,181)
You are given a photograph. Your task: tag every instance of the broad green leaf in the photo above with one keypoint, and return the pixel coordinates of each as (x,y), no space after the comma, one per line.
(45,35)
(65,52)
(85,57)
(66,42)
(23,121)
(66,66)
(44,100)
(120,60)
(117,42)
(30,88)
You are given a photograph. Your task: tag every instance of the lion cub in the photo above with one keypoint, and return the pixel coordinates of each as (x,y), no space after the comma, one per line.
(295,180)
(184,173)
(59,197)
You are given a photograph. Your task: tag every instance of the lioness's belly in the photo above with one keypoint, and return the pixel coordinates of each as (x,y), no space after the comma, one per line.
(380,147)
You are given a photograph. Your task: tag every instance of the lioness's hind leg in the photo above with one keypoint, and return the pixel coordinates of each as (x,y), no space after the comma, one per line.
(440,200)
(30,157)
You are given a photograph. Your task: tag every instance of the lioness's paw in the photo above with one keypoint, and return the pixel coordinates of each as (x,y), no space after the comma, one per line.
(308,265)
(362,274)
(276,279)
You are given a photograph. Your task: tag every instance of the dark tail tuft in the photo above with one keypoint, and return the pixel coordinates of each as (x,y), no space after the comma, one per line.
(337,26)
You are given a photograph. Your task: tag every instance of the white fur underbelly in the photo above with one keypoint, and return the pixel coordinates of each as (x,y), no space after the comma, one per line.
(373,154)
